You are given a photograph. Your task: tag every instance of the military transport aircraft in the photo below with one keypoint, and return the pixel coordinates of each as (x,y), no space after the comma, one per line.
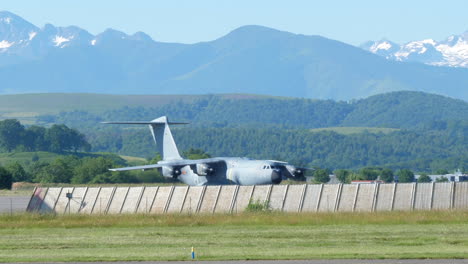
(212,171)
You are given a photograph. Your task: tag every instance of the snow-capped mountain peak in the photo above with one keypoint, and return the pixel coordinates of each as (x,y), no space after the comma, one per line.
(19,37)
(5,44)
(451,52)
(381,46)
(384,48)
(59,40)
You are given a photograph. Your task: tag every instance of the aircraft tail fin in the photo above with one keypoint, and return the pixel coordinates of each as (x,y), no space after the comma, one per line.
(162,136)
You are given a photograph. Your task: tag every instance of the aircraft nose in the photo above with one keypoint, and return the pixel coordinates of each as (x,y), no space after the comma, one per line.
(276,176)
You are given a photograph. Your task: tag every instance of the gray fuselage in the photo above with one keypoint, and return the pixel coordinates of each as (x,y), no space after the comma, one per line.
(241,171)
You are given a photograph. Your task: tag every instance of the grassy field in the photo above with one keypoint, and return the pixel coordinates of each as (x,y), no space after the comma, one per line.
(355,130)
(30,237)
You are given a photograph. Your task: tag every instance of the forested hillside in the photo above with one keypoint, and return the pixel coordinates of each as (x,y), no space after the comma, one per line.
(394,110)
(401,149)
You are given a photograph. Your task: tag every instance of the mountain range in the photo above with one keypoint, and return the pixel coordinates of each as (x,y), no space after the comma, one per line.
(452,52)
(250,59)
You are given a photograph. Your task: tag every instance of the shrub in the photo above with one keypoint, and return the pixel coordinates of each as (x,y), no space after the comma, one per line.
(257,206)
(6,179)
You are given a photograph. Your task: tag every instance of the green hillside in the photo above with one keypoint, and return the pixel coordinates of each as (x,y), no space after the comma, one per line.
(355,130)
(405,110)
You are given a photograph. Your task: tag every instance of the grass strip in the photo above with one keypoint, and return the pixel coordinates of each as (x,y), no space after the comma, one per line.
(431,234)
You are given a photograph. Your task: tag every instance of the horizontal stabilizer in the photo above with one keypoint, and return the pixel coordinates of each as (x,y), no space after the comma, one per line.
(143,123)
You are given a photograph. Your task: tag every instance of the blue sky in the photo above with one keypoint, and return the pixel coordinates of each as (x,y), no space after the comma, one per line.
(200,20)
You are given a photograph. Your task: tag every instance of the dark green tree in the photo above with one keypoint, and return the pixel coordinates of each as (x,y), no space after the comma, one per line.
(405,175)
(321,175)
(11,132)
(423,177)
(386,175)
(342,175)
(18,173)
(369,174)
(61,138)
(442,179)
(6,179)
(59,171)
(89,168)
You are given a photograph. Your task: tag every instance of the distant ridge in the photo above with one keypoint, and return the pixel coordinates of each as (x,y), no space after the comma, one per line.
(250,59)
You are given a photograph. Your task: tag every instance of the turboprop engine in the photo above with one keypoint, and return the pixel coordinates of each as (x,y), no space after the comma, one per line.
(204,169)
(294,172)
(169,171)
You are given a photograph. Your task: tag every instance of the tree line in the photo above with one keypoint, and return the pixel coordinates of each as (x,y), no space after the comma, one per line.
(84,170)
(426,151)
(95,170)
(57,138)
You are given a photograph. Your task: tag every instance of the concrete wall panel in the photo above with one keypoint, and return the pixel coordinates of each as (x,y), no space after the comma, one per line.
(103,199)
(328,199)
(293,198)
(423,196)
(311,198)
(118,200)
(442,195)
(209,199)
(461,195)
(242,199)
(147,199)
(260,193)
(177,200)
(62,202)
(403,196)
(348,194)
(365,198)
(37,198)
(384,197)
(193,199)
(162,199)
(130,204)
(78,199)
(89,200)
(50,199)
(225,199)
(277,197)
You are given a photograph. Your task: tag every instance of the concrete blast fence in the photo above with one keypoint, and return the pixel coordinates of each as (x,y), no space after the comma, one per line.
(234,198)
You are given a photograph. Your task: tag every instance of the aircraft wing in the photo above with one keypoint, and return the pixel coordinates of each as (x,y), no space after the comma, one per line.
(178,163)
(145,167)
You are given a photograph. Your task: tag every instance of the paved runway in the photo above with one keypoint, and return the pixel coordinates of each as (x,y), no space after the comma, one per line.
(340,261)
(13,204)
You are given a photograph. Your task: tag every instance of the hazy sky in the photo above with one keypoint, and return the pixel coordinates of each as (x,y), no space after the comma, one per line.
(200,20)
